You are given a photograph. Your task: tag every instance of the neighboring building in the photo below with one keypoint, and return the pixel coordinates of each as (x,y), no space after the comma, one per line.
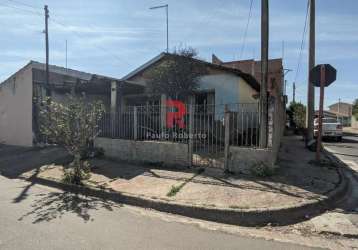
(221,85)
(343,112)
(252,67)
(326,114)
(20,93)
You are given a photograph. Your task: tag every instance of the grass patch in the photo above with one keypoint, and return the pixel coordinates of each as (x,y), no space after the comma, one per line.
(175,189)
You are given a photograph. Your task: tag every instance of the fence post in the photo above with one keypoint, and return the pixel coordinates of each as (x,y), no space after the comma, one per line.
(191,131)
(113,107)
(163,114)
(227,138)
(135,123)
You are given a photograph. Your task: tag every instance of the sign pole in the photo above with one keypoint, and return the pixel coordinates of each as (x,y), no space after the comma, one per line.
(320,115)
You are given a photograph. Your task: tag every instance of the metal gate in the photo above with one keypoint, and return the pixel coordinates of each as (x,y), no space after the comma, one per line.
(217,127)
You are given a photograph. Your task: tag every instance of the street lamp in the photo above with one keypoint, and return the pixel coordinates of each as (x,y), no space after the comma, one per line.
(166,11)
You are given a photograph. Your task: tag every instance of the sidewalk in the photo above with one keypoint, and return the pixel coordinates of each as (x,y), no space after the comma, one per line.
(350,130)
(297,183)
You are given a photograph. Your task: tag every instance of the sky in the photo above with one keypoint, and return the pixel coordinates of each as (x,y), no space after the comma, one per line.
(113,37)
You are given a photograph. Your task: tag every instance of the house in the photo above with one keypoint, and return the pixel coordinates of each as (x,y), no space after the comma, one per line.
(343,112)
(212,136)
(220,85)
(20,93)
(252,67)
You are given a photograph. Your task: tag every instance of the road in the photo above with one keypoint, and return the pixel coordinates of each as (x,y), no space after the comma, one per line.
(347,150)
(38,217)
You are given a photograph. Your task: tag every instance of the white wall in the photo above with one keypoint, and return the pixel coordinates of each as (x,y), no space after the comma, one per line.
(16,109)
(229,89)
(226,87)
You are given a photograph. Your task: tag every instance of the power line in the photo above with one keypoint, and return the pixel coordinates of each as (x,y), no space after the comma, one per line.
(24,4)
(21,9)
(83,37)
(302,44)
(246,28)
(56,22)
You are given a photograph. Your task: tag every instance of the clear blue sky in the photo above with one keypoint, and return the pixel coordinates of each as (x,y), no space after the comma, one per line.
(113,37)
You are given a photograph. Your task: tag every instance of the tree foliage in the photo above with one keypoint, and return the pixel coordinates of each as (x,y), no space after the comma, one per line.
(297,114)
(178,76)
(72,125)
(355,109)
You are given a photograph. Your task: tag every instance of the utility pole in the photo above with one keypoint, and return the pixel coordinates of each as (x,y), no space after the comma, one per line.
(48,90)
(66,54)
(167,12)
(264,71)
(311,64)
(294,93)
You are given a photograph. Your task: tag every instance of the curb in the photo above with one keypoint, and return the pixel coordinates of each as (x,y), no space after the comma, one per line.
(243,217)
(339,163)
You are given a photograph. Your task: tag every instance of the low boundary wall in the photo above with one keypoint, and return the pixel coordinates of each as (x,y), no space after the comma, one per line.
(162,152)
(242,160)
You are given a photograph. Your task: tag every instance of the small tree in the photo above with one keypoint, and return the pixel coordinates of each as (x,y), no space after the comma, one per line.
(74,126)
(297,114)
(178,76)
(355,109)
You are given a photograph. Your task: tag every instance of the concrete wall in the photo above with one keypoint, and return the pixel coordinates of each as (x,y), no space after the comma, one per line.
(168,153)
(16,109)
(241,159)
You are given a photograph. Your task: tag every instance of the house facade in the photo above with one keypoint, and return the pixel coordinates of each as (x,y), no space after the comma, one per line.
(343,112)
(219,86)
(22,92)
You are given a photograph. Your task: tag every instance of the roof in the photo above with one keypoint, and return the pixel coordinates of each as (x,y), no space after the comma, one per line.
(247,77)
(340,103)
(63,71)
(332,114)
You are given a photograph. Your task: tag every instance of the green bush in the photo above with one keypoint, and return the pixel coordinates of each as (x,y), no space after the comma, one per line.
(297,115)
(72,125)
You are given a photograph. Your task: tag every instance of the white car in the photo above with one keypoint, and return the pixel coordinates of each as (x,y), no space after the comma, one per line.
(331,128)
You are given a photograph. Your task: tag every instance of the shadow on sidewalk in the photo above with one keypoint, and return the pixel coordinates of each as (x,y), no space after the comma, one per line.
(16,160)
(49,206)
(296,176)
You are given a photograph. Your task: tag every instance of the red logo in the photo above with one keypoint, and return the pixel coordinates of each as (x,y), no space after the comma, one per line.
(177,116)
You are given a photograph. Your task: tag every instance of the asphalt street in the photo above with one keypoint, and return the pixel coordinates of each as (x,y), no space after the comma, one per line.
(347,150)
(37,217)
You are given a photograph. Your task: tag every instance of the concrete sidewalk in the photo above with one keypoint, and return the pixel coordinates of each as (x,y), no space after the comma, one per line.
(350,130)
(297,182)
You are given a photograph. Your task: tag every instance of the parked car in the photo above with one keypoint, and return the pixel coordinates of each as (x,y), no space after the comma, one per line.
(331,128)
